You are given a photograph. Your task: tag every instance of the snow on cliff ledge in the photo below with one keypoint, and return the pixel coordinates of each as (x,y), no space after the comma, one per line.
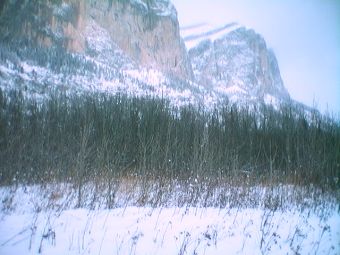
(159,7)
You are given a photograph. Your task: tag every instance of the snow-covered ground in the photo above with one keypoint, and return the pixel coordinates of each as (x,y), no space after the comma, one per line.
(31,222)
(134,230)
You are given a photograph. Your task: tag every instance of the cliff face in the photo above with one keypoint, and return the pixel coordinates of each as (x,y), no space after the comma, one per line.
(146,31)
(240,63)
(134,47)
(46,23)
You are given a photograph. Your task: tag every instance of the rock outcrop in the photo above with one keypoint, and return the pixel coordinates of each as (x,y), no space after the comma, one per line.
(147,31)
(239,63)
(133,47)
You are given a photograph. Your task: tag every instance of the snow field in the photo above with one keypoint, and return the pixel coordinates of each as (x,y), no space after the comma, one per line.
(141,230)
(32,225)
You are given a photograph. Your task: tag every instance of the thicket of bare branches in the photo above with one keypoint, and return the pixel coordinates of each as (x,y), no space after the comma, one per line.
(81,138)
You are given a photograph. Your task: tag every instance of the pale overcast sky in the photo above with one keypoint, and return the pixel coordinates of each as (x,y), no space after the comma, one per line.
(304,34)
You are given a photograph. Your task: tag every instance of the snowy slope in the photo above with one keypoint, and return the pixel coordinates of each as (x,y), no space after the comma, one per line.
(38,81)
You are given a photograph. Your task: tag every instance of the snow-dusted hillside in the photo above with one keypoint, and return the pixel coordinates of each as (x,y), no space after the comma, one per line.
(41,71)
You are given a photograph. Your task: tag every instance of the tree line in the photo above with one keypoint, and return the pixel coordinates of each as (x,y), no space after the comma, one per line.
(81,137)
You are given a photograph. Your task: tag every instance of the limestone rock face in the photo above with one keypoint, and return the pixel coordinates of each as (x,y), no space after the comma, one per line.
(147,31)
(133,47)
(240,63)
(46,23)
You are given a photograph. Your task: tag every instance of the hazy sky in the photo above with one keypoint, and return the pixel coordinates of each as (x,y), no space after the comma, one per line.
(304,34)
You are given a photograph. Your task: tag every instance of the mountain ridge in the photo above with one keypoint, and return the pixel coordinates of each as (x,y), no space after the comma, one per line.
(135,47)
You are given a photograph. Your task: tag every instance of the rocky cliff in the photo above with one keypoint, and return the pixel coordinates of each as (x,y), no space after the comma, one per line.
(146,31)
(132,47)
(239,63)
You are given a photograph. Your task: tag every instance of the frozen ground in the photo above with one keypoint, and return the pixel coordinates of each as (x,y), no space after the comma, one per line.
(30,224)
